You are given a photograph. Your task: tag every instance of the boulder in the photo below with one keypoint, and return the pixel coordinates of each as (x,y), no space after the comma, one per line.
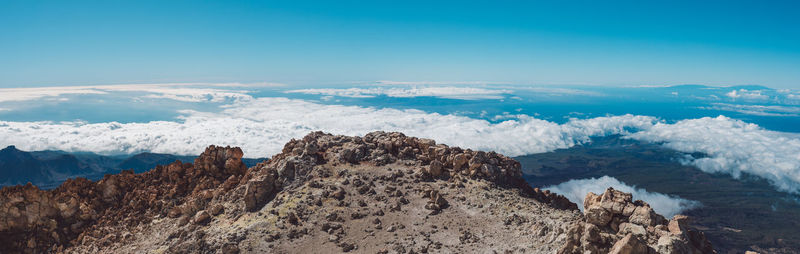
(628,245)
(459,160)
(597,215)
(677,224)
(435,168)
(436,201)
(258,191)
(202,217)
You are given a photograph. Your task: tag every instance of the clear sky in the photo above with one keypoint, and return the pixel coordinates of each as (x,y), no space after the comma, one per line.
(309,42)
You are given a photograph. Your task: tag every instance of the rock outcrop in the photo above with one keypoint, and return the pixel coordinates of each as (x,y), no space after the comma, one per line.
(614,223)
(381,193)
(81,211)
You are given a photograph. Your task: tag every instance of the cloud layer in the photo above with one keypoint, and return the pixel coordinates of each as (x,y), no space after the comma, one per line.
(24,94)
(261,126)
(450,92)
(733,147)
(576,190)
(756,110)
(187,92)
(747,94)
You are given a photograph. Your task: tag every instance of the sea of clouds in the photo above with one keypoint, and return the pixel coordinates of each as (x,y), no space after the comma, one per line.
(262,125)
(575,190)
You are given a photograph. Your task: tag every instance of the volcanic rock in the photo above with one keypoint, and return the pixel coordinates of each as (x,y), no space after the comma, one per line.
(614,223)
(331,193)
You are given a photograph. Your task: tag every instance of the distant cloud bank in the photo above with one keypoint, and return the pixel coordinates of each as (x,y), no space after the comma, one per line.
(756,110)
(747,95)
(576,190)
(450,92)
(186,92)
(24,94)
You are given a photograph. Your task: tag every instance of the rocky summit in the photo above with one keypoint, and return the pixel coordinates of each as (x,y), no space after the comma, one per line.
(381,193)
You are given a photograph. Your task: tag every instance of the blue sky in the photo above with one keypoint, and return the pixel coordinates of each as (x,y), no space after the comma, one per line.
(338,42)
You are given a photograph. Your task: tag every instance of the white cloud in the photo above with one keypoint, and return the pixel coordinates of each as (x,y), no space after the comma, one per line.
(451,92)
(180,92)
(236,84)
(430,83)
(747,94)
(758,110)
(576,190)
(508,116)
(187,92)
(651,86)
(262,126)
(490,86)
(24,94)
(349,92)
(557,91)
(789,96)
(733,147)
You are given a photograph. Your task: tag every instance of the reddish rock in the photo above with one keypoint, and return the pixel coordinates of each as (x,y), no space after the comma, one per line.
(628,245)
(79,211)
(632,226)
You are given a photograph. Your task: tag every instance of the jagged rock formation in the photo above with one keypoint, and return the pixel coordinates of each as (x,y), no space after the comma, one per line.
(381,193)
(81,211)
(614,223)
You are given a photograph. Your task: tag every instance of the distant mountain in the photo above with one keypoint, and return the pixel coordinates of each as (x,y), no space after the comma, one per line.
(47,169)
(751,87)
(20,167)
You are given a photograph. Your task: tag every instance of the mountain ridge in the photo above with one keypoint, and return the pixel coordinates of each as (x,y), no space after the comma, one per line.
(47,169)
